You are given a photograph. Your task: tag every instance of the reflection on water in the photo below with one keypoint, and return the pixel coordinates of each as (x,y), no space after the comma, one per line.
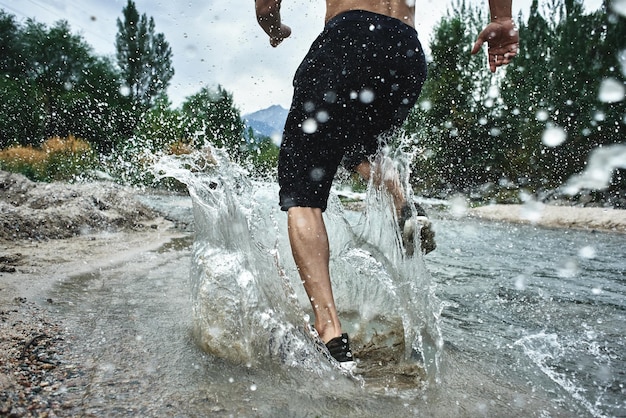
(532,320)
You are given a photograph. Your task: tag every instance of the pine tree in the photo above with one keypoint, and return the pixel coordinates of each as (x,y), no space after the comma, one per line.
(144,57)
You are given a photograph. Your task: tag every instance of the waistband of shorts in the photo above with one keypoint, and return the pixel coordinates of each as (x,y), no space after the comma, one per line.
(364,16)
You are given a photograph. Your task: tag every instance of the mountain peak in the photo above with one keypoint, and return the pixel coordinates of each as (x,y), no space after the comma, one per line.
(267,122)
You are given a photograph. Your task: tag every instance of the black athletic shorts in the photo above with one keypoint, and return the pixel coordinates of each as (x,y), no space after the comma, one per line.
(360,79)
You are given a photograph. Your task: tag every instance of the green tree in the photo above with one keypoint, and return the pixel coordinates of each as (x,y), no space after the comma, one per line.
(554,83)
(21,113)
(11,60)
(54,85)
(211,116)
(160,127)
(144,57)
(452,118)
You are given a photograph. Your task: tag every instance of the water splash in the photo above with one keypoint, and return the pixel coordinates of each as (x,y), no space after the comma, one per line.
(550,354)
(553,136)
(599,171)
(248,303)
(611,90)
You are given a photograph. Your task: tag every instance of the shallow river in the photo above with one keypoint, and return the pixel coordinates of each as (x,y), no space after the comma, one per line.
(501,320)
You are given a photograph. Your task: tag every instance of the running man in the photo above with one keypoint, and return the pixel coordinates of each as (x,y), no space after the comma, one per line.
(360,79)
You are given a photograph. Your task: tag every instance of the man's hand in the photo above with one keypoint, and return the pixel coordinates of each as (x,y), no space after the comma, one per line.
(502,42)
(277,35)
(268,16)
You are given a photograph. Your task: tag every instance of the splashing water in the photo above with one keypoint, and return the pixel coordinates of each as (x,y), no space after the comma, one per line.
(597,175)
(619,6)
(611,91)
(248,303)
(546,350)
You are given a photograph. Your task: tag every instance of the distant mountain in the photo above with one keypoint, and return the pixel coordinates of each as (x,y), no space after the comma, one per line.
(267,122)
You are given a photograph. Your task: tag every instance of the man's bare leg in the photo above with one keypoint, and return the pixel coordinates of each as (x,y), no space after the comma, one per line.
(311,252)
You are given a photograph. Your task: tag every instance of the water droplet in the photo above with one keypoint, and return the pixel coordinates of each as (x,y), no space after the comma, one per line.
(611,91)
(542,115)
(493,92)
(277,139)
(619,7)
(532,210)
(322,116)
(568,269)
(366,96)
(330,97)
(426,105)
(587,252)
(599,116)
(253,387)
(520,282)
(317,174)
(621,57)
(309,126)
(599,170)
(458,206)
(553,136)
(125,91)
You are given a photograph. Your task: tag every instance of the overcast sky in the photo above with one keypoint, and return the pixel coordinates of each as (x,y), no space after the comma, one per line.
(218,42)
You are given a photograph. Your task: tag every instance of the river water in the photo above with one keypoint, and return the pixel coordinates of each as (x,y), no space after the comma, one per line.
(501,320)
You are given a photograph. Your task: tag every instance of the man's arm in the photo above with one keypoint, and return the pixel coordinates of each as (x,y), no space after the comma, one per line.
(500,34)
(268,16)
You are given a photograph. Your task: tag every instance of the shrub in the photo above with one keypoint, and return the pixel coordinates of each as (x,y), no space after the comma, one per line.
(56,159)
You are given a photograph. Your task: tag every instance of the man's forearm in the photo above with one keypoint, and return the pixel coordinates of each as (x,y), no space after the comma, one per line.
(500,9)
(268,15)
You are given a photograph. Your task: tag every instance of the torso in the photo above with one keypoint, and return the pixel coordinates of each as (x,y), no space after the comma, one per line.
(394,8)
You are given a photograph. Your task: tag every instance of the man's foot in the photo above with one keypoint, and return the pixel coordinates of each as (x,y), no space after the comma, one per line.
(339,348)
(408,226)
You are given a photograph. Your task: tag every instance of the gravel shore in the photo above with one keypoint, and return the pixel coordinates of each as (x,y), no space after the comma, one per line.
(51,231)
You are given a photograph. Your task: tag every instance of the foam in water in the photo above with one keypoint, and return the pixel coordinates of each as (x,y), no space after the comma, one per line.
(547,350)
(249,305)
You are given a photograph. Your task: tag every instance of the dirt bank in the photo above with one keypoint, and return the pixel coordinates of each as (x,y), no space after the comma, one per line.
(50,231)
(586,218)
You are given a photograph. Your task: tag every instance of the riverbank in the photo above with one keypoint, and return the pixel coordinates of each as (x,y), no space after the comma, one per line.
(551,216)
(48,233)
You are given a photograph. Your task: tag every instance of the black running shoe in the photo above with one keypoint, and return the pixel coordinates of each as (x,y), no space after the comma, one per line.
(408,225)
(339,348)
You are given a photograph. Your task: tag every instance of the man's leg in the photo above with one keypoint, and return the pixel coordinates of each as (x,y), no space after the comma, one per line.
(311,252)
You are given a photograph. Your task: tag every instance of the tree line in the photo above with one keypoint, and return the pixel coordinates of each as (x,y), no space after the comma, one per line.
(52,84)
(532,125)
